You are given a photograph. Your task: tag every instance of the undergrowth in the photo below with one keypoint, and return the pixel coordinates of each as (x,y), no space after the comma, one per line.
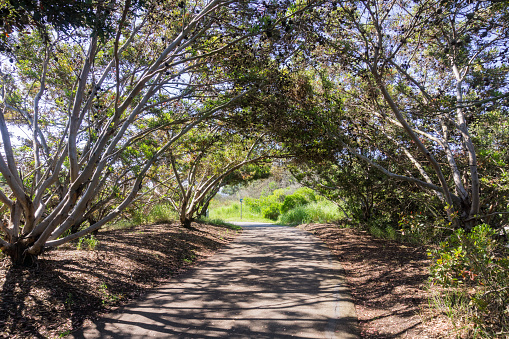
(160,213)
(302,206)
(219,222)
(473,270)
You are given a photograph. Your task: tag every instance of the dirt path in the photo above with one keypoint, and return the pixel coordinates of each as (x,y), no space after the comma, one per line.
(271,282)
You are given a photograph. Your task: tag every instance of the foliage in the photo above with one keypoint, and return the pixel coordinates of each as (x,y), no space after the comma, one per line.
(101,111)
(231,212)
(269,207)
(107,297)
(397,111)
(153,213)
(424,228)
(301,196)
(220,222)
(477,266)
(88,242)
(272,211)
(301,206)
(321,211)
(205,160)
(61,15)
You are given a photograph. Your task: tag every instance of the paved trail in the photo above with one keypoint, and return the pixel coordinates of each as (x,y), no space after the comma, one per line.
(271,282)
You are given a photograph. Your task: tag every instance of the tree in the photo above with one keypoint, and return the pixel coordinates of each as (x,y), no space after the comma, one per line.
(406,88)
(203,163)
(93,107)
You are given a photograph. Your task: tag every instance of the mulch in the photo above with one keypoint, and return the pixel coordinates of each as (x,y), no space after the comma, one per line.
(388,282)
(68,287)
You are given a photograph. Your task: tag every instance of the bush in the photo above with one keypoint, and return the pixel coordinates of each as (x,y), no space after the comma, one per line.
(255,205)
(161,213)
(300,197)
(476,263)
(292,201)
(421,228)
(272,211)
(251,211)
(320,212)
(300,207)
(87,242)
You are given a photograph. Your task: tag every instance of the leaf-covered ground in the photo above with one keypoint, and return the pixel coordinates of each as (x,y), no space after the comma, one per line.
(388,284)
(69,286)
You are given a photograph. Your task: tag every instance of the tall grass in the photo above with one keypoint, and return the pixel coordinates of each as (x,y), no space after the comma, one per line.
(220,222)
(231,212)
(322,211)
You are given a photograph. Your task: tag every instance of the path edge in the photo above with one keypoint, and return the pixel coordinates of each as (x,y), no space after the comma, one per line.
(346,323)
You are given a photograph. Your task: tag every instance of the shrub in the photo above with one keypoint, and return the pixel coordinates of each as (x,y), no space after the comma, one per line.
(254,204)
(391,233)
(423,229)
(320,212)
(376,231)
(161,213)
(87,242)
(300,197)
(292,201)
(294,216)
(477,263)
(272,211)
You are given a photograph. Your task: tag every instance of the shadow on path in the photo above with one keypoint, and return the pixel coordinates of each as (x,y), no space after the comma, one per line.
(272,282)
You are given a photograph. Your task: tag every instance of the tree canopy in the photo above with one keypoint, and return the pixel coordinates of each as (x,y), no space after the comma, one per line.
(373,103)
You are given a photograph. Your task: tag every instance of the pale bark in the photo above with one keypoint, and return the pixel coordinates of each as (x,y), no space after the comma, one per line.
(456,175)
(420,147)
(74,118)
(35,120)
(74,195)
(413,180)
(417,165)
(469,146)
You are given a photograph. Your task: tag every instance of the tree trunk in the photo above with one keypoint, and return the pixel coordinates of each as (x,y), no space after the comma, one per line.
(204,208)
(18,254)
(186,222)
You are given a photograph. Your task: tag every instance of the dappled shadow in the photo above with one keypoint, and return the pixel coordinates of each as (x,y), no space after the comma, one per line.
(66,286)
(13,304)
(386,279)
(36,296)
(273,283)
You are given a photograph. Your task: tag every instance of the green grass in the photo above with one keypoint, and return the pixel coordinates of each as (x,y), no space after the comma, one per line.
(231,212)
(322,211)
(160,213)
(220,222)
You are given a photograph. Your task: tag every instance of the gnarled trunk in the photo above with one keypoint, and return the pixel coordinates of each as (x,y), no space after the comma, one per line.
(19,255)
(186,221)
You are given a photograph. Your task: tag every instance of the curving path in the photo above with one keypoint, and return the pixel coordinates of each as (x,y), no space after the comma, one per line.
(271,282)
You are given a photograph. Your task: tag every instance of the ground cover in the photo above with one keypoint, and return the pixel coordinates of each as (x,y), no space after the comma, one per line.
(388,284)
(68,287)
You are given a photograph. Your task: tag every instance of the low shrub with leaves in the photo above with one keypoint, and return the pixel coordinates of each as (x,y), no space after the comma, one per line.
(320,211)
(300,197)
(474,264)
(87,243)
(268,206)
(422,228)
